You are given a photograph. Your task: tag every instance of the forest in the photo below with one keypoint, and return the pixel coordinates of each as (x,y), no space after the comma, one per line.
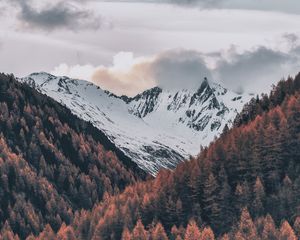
(51,162)
(59,182)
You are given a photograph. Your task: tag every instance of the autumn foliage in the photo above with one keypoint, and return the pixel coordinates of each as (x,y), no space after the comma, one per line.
(51,163)
(245,185)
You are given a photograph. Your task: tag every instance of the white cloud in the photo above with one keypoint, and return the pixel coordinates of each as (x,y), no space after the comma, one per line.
(254,70)
(127,75)
(76,71)
(173,70)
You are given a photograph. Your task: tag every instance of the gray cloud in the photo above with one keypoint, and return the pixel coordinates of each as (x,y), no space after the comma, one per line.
(251,71)
(292,39)
(256,70)
(63,14)
(179,69)
(171,70)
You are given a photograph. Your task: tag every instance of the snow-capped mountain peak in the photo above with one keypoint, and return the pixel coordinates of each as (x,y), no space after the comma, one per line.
(157,128)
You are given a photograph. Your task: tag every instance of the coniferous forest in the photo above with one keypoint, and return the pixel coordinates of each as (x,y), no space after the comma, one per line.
(51,162)
(62,179)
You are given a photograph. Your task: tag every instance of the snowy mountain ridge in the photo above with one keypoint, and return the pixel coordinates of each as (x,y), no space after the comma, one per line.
(157,128)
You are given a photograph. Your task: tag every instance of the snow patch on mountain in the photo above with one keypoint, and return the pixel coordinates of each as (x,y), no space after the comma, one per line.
(157,128)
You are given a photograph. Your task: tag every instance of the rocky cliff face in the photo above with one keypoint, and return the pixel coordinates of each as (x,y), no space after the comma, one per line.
(157,128)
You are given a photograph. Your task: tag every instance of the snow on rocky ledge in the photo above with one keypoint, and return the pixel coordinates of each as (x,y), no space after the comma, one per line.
(157,128)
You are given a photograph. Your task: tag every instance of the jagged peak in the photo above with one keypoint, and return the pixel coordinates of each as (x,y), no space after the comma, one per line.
(125,98)
(44,74)
(204,85)
(155,91)
(147,101)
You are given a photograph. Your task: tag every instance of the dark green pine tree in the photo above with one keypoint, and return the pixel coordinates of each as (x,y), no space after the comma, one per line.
(242,196)
(225,200)
(171,213)
(286,198)
(272,160)
(259,198)
(292,134)
(210,202)
(297,195)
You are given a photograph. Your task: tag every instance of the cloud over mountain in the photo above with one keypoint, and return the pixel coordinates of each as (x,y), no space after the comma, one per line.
(172,70)
(252,70)
(256,69)
(179,69)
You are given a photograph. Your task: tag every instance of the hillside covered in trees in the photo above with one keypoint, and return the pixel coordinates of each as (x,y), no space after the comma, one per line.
(51,162)
(245,185)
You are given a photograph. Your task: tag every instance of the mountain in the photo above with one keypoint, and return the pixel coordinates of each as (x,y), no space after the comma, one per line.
(51,162)
(158,128)
(245,185)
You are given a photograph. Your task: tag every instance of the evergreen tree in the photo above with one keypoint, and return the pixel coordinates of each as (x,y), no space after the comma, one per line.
(179,212)
(7,233)
(207,234)
(192,231)
(139,232)
(242,196)
(225,237)
(297,226)
(147,209)
(269,229)
(226,214)
(159,233)
(210,201)
(271,163)
(292,147)
(66,233)
(246,228)
(126,234)
(286,197)
(259,198)
(174,233)
(47,233)
(286,232)
(31,237)
(239,236)
(171,213)
(197,212)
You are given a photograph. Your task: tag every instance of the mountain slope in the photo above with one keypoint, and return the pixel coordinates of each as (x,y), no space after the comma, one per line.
(51,162)
(250,171)
(157,128)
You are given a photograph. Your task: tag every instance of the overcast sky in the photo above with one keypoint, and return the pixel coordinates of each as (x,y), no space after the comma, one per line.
(129,46)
